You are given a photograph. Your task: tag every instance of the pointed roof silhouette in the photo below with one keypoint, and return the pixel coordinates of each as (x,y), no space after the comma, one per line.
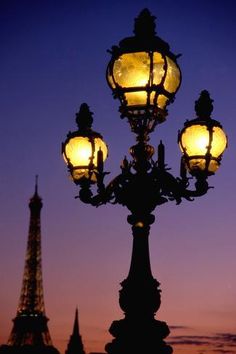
(76,323)
(75,345)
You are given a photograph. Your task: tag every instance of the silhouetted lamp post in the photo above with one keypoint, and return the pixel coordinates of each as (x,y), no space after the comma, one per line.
(144,75)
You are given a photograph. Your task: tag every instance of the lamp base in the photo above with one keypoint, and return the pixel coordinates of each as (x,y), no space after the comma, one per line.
(138,336)
(140,298)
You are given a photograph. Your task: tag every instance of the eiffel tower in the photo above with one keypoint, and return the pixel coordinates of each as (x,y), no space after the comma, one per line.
(30,334)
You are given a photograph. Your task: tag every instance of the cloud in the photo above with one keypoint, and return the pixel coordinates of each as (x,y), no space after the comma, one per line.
(230,338)
(219,343)
(190,340)
(223,351)
(178,327)
(187,342)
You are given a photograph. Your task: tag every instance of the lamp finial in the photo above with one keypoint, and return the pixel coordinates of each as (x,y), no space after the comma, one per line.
(144,25)
(204,106)
(84,118)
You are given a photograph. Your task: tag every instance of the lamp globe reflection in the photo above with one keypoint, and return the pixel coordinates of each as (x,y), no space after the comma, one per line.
(84,150)
(143,73)
(202,140)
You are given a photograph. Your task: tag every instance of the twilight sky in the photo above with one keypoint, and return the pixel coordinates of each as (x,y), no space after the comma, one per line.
(53,58)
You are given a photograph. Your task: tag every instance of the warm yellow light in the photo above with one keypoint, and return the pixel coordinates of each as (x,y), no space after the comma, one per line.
(78,151)
(173,76)
(136,98)
(201,164)
(132,69)
(81,154)
(136,70)
(195,141)
(158,68)
(219,141)
(144,79)
(203,146)
(161,101)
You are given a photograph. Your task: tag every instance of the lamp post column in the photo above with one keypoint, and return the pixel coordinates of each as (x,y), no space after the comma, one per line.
(139,332)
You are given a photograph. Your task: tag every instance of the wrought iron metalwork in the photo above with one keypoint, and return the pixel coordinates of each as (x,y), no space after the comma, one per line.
(143,184)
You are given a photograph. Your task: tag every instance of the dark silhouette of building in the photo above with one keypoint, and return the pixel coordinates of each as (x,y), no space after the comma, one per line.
(75,345)
(30,334)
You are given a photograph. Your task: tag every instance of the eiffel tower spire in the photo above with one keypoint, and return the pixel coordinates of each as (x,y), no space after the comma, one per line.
(75,345)
(30,324)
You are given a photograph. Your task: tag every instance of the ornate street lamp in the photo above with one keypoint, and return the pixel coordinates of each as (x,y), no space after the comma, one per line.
(143,73)
(84,150)
(202,140)
(145,76)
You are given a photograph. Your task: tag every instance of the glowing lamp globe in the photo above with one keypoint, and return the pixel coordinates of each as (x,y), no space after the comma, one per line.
(82,155)
(84,150)
(202,140)
(142,73)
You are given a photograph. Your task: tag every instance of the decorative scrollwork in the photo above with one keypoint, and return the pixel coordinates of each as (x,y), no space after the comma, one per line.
(143,183)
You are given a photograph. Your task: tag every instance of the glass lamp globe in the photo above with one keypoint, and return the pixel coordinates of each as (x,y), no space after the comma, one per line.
(83,154)
(202,140)
(143,73)
(84,150)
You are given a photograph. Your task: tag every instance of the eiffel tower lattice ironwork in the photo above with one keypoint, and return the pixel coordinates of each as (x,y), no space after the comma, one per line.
(30,327)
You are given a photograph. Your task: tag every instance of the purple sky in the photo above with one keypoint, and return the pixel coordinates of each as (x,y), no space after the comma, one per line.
(53,58)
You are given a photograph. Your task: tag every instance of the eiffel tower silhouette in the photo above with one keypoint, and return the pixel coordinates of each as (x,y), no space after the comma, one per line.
(30,334)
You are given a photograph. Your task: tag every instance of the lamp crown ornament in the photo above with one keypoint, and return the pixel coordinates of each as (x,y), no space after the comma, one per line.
(144,25)
(204,105)
(84,118)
